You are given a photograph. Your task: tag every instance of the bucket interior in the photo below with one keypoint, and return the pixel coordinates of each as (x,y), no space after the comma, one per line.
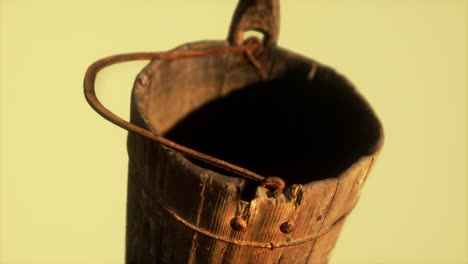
(299,130)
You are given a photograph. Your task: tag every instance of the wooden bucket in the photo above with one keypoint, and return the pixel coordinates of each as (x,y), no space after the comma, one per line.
(293,140)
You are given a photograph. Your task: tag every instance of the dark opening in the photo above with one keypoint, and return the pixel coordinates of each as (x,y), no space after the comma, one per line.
(299,130)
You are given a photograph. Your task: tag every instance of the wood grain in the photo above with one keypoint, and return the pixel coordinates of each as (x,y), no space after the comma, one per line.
(208,198)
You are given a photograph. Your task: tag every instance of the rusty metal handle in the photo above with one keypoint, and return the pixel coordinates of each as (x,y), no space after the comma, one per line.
(93,101)
(257,15)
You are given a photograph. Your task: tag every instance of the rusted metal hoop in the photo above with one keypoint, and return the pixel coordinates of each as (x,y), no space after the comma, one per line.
(255,244)
(274,185)
(90,94)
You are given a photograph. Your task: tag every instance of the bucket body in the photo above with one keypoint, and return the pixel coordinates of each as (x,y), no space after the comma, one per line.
(240,151)
(305,123)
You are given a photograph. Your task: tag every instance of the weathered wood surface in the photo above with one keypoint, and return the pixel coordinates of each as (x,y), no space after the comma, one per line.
(268,110)
(259,15)
(179,212)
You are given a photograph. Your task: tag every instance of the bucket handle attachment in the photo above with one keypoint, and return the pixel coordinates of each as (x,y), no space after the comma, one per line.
(249,48)
(255,15)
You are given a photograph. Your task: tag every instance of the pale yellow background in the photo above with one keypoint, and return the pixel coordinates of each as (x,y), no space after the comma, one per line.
(63,168)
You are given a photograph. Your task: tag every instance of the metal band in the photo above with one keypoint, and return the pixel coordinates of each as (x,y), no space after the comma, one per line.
(270,245)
